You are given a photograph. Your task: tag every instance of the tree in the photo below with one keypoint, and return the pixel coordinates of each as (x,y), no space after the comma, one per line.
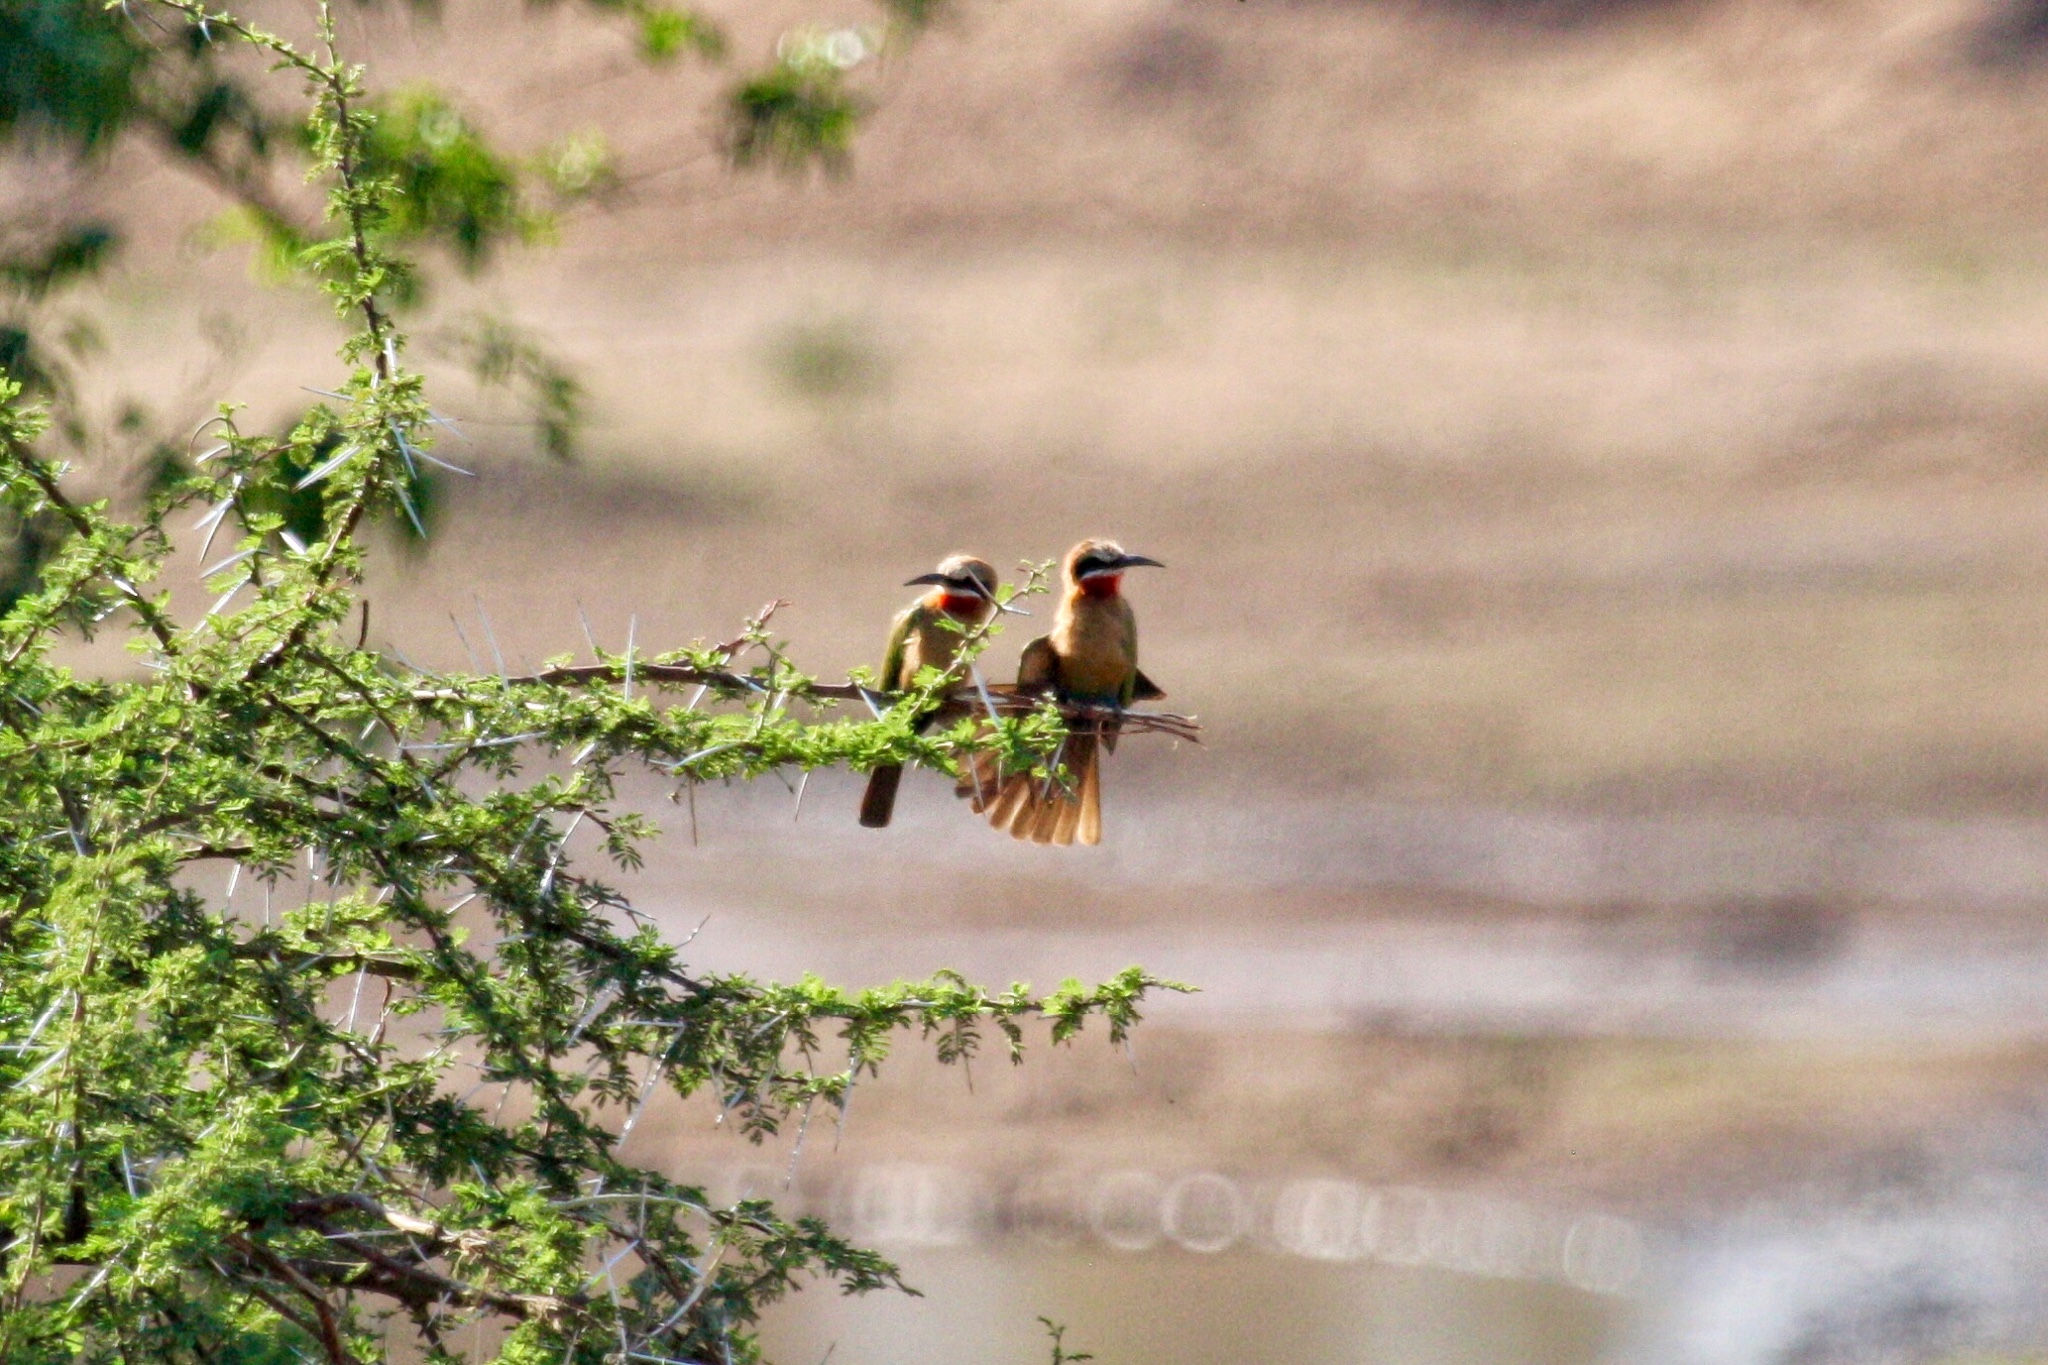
(400,1104)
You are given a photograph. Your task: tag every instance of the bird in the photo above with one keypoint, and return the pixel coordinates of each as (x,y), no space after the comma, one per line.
(1091,655)
(964,592)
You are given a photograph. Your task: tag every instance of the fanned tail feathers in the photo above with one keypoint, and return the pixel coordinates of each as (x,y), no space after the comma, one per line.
(1064,808)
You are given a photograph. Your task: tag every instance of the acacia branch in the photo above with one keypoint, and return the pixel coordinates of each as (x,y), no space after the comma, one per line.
(277,1306)
(1005,698)
(409,1281)
(335,82)
(312,1212)
(417,1286)
(330,1325)
(33,466)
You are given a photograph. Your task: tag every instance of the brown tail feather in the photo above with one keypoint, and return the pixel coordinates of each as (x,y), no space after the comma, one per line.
(1025,819)
(1068,822)
(879,802)
(1035,806)
(1045,815)
(1011,802)
(1081,801)
(1088,825)
(1055,810)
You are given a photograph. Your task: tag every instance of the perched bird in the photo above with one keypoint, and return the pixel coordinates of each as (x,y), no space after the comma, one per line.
(963,591)
(1091,655)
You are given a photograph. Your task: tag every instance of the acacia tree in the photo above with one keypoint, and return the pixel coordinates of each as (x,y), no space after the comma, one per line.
(399,1105)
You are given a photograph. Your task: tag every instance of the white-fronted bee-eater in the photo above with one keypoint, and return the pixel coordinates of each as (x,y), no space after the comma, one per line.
(963,592)
(1092,656)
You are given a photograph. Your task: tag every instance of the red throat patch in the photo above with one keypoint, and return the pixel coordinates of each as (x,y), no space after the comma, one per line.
(964,605)
(1102,585)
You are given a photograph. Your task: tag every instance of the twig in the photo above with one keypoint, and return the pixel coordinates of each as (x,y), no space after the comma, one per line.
(1000,699)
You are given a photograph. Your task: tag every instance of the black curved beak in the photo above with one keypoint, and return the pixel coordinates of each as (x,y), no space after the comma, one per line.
(972,585)
(1138,561)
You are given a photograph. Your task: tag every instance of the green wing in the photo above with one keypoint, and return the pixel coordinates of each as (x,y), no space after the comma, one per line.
(892,678)
(1129,691)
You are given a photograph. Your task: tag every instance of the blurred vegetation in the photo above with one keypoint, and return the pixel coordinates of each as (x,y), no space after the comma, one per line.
(500,354)
(800,110)
(828,360)
(81,77)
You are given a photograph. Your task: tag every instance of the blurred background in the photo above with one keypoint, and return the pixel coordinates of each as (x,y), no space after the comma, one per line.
(1601,449)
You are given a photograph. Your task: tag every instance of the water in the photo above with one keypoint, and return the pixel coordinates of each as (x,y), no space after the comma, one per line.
(1459,1086)
(1181,1308)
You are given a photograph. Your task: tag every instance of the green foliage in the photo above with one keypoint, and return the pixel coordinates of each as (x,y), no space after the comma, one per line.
(75,75)
(1060,1355)
(449,185)
(322,1035)
(28,541)
(79,249)
(67,70)
(666,33)
(797,113)
(916,13)
(283,498)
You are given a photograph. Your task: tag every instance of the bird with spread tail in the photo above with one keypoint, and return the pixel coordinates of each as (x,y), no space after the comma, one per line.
(1091,656)
(964,593)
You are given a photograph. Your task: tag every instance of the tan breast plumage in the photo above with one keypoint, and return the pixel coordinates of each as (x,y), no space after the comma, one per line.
(1097,643)
(927,643)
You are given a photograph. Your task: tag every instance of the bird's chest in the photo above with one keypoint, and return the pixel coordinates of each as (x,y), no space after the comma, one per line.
(929,643)
(1098,649)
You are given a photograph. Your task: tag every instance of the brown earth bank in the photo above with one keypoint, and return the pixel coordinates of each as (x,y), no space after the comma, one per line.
(1232,122)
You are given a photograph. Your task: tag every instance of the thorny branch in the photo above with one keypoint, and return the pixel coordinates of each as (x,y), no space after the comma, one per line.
(957,704)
